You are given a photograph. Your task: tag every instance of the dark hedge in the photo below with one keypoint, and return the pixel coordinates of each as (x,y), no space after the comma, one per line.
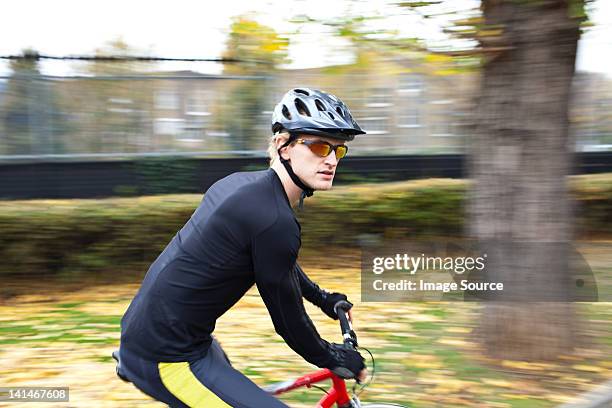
(74,236)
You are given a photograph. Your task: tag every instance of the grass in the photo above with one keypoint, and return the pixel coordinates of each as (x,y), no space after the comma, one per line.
(426,354)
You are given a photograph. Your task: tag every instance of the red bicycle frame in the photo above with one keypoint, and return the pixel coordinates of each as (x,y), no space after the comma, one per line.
(337,394)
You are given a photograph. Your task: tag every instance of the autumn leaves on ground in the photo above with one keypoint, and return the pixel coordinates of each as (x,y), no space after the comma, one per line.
(62,334)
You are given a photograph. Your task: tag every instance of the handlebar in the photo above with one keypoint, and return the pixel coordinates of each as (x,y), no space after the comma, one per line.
(348,335)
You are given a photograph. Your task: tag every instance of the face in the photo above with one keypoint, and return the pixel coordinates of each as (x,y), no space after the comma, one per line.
(317,172)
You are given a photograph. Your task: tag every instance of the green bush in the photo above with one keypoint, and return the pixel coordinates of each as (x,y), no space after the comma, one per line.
(394,210)
(74,236)
(592,195)
(80,235)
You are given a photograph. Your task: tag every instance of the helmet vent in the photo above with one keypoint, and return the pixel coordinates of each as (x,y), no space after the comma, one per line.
(302,91)
(331,115)
(301,107)
(320,105)
(286,113)
(339,111)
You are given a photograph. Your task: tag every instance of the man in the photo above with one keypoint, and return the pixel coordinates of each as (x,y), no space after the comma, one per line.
(244,232)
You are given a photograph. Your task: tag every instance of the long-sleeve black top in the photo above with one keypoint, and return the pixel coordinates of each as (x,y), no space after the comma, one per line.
(244,232)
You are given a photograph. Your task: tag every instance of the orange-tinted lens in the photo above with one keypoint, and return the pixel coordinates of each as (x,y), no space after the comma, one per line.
(320,149)
(341,152)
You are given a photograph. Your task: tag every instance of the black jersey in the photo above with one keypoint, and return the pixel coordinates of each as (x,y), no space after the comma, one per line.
(244,232)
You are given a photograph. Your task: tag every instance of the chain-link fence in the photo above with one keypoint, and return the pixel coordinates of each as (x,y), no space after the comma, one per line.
(204,115)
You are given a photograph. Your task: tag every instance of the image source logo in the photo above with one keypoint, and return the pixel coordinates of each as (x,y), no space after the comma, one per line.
(467,270)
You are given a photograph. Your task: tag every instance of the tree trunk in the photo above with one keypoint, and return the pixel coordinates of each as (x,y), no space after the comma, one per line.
(519,158)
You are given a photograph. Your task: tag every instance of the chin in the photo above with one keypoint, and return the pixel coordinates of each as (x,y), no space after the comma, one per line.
(323,185)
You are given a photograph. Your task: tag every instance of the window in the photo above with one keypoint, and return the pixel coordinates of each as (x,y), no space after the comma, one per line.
(119,105)
(166,99)
(193,129)
(375,125)
(409,117)
(198,104)
(443,117)
(441,128)
(442,102)
(379,98)
(168,126)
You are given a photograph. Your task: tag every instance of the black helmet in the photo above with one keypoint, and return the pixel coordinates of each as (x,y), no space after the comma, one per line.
(314,112)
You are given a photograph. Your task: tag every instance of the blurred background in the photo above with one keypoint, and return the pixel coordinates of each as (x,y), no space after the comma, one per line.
(403,75)
(488,120)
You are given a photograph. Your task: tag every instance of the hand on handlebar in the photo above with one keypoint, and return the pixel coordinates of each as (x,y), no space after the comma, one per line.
(350,363)
(330,302)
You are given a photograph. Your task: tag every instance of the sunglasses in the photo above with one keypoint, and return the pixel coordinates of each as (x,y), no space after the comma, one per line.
(323,149)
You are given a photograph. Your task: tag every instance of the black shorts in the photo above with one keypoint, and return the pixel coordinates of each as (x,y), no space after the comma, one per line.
(210,382)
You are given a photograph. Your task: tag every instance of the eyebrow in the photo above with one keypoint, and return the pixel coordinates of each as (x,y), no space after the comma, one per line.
(342,142)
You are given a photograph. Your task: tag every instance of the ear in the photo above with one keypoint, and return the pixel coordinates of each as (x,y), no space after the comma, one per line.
(279,141)
(284,151)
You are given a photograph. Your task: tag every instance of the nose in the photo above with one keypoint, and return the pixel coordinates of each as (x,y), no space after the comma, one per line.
(331,159)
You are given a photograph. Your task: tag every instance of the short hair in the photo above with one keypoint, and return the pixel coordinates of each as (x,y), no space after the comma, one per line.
(272,149)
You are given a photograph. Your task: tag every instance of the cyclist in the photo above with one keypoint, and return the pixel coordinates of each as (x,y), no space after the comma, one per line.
(244,232)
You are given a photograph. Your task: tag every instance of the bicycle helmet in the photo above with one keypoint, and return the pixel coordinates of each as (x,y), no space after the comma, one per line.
(314,112)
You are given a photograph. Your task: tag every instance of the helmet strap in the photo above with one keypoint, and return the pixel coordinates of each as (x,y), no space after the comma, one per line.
(306,191)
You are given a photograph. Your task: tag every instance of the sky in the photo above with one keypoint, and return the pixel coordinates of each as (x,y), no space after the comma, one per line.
(195,29)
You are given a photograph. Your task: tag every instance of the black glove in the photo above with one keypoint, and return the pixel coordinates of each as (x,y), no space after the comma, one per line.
(329,301)
(349,362)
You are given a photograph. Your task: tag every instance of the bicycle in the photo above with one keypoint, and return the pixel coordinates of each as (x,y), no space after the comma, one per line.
(338,393)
